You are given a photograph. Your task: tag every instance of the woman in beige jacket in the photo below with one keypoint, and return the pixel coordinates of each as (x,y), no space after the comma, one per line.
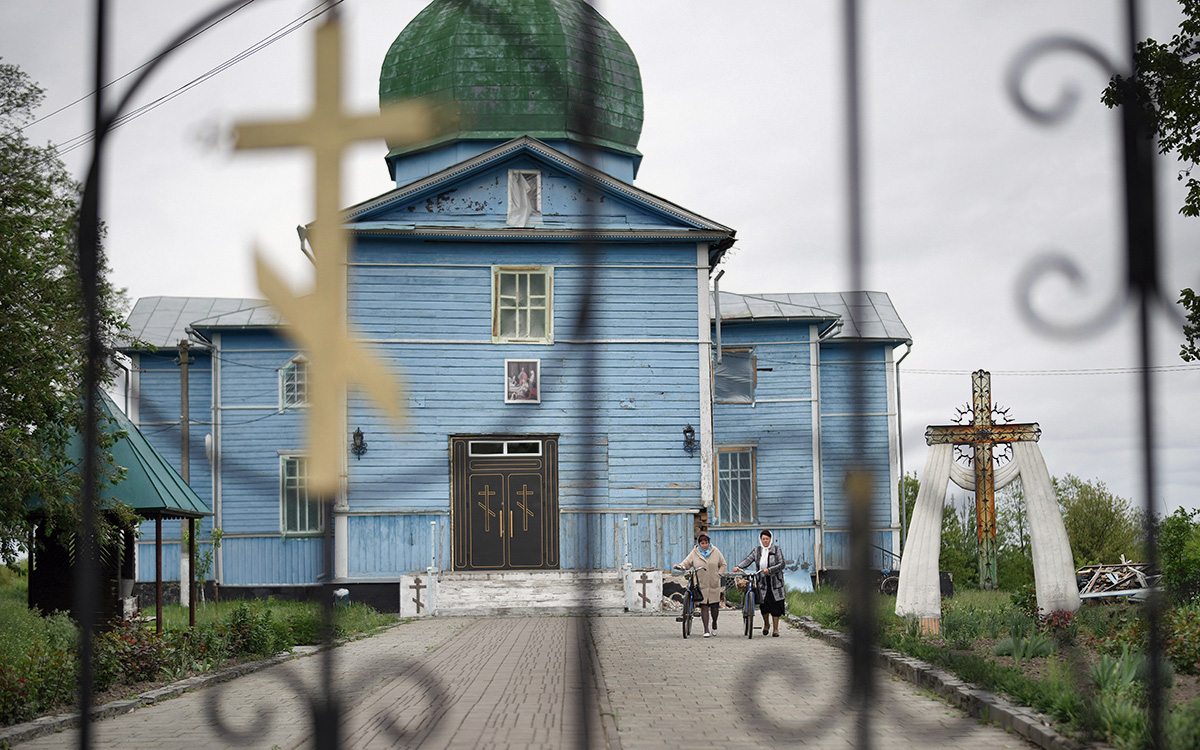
(709,564)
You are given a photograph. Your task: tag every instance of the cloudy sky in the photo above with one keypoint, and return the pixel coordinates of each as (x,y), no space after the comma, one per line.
(744,124)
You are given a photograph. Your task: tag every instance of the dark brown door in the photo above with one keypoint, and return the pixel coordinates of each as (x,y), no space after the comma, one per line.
(505,502)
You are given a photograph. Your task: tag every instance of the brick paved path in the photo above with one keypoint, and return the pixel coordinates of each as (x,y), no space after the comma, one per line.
(501,683)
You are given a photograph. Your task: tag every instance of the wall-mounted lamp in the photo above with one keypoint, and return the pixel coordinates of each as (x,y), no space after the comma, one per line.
(689,440)
(360,446)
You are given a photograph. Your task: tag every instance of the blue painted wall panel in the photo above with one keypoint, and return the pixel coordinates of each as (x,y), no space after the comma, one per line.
(393,545)
(267,560)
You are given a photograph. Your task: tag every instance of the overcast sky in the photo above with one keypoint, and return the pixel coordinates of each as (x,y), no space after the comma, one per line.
(744,125)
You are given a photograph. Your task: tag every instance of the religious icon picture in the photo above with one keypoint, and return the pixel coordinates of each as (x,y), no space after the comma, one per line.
(522,381)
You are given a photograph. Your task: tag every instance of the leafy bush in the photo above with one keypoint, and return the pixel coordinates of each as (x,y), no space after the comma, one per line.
(1183,638)
(1024,648)
(1179,553)
(127,652)
(252,631)
(1115,675)
(1183,726)
(960,628)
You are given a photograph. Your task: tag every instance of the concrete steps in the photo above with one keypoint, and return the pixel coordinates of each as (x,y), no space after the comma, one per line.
(541,592)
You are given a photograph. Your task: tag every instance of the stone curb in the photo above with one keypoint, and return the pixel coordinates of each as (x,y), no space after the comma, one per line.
(976,702)
(58,722)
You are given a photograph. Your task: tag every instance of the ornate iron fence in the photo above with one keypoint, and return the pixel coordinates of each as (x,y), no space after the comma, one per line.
(1142,290)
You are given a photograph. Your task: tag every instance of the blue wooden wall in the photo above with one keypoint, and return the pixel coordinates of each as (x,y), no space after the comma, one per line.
(854,432)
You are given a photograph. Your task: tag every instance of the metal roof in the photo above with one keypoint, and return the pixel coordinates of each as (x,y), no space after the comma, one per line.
(862,315)
(163,321)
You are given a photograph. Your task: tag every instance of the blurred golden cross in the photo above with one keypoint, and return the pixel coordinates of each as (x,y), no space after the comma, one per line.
(318,321)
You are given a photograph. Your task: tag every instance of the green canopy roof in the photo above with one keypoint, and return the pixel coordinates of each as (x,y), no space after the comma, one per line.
(151,486)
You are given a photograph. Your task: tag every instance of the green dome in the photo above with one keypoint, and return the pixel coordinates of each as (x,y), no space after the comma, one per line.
(516,67)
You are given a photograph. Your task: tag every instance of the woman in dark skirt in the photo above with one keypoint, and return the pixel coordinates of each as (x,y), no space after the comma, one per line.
(769,560)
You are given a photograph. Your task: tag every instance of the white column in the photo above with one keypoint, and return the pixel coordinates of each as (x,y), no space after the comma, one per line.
(814,380)
(704,333)
(919,594)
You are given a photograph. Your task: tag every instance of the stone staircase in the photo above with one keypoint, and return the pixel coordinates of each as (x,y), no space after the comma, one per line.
(541,592)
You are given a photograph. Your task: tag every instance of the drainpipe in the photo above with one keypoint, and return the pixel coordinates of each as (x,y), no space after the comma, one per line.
(717,307)
(900,446)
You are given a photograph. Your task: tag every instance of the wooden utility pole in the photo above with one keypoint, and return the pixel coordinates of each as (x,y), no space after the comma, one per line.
(187,527)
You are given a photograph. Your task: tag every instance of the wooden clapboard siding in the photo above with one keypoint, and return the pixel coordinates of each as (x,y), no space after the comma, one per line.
(735,543)
(395,544)
(597,540)
(271,560)
(778,424)
(854,428)
(159,411)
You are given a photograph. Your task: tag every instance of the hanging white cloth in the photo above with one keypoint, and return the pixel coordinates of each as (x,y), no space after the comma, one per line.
(1053,563)
(522,197)
(919,593)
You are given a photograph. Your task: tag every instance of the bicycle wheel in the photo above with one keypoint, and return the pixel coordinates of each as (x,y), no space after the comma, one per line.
(749,611)
(688,611)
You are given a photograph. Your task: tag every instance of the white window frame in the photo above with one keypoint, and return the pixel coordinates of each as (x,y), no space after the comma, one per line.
(504,447)
(312,507)
(721,498)
(499,303)
(297,364)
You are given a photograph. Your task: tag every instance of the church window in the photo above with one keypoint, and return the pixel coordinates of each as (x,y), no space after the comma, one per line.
(735,377)
(293,383)
(301,513)
(524,197)
(735,485)
(522,304)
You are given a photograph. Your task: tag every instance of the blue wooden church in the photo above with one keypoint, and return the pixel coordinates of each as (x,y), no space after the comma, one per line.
(553,329)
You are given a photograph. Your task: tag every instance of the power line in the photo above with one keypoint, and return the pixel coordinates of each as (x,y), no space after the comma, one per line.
(161,55)
(292,26)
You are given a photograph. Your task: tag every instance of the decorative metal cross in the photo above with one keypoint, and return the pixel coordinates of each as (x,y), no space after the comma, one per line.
(525,492)
(416,587)
(982,434)
(319,321)
(487,493)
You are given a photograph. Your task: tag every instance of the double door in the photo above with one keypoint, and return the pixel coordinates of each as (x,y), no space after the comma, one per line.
(505,502)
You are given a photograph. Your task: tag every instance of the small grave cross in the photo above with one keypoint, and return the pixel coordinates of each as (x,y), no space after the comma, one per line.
(982,434)
(645,579)
(417,587)
(318,321)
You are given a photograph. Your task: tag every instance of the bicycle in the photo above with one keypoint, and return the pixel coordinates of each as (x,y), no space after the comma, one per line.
(748,599)
(691,597)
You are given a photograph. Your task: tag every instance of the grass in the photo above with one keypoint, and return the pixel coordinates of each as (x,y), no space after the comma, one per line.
(303,617)
(1106,700)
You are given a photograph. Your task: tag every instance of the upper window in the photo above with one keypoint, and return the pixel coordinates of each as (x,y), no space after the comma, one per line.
(734,377)
(293,383)
(735,485)
(524,197)
(300,513)
(522,304)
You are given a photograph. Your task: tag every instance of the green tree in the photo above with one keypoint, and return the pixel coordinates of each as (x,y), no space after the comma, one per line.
(1102,526)
(1015,558)
(1166,89)
(42,332)
(1179,547)
(959,554)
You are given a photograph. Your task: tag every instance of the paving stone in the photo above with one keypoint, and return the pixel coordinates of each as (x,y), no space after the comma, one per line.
(496,683)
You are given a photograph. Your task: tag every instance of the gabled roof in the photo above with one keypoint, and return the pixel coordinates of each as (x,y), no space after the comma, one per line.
(858,315)
(151,486)
(163,321)
(363,218)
